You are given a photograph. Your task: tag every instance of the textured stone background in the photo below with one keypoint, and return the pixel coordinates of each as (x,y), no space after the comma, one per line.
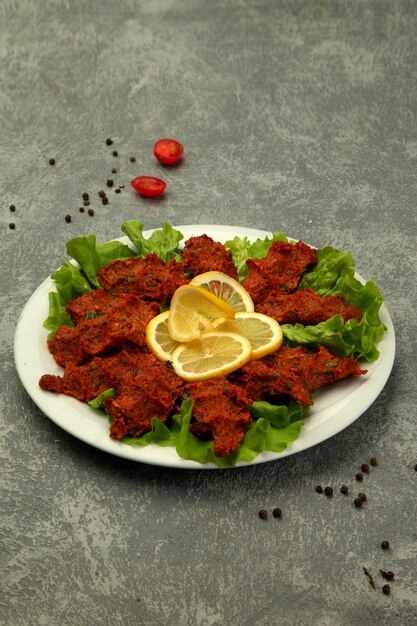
(297,116)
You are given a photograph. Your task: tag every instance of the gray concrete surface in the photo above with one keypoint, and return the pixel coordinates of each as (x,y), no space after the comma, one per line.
(297,116)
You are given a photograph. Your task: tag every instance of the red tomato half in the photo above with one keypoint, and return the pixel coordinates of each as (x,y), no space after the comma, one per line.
(168,151)
(148,186)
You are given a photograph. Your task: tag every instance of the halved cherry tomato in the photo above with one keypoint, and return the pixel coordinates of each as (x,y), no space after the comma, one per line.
(168,151)
(148,186)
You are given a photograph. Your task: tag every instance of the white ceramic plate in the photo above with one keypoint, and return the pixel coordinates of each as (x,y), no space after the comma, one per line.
(334,408)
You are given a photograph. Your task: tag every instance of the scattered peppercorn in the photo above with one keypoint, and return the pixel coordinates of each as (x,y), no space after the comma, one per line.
(344,489)
(359,477)
(319,489)
(358,503)
(109,141)
(385,545)
(373,461)
(117,190)
(110,182)
(362,496)
(86,203)
(12,208)
(365,468)
(51,161)
(82,209)
(86,196)
(277,512)
(132,159)
(12,226)
(105,200)
(328,491)
(101,193)
(114,170)
(115,153)
(263,514)
(415,467)
(387,575)
(68,218)
(386,590)
(90,212)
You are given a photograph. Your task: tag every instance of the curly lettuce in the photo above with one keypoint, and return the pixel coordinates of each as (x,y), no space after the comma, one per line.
(273,428)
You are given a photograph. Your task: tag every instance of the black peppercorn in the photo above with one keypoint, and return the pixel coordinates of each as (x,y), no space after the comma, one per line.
(365,468)
(385,545)
(12,226)
(68,218)
(277,512)
(109,141)
(344,489)
(328,491)
(319,489)
(51,161)
(115,153)
(114,170)
(359,477)
(105,200)
(101,193)
(387,575)
(110,182)
(82,209)
(386,590)
(263,514)
(132,159)
(86,196)
(362,496)
(12,208)
(90,212)
(373,461)
(358,503)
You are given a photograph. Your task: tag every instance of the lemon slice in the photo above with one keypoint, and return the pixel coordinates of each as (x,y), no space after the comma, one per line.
(191,307)
(263,332)
(215,353)
(225,288)
(158,338)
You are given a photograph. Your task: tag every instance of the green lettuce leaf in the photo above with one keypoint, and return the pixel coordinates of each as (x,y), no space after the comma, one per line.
(98,403)
(163,242)
(242,249)
(57,313)
(357,339)
(261,435)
